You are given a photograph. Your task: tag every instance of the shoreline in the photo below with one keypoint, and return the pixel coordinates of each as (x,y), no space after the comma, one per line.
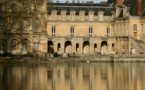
(87,58)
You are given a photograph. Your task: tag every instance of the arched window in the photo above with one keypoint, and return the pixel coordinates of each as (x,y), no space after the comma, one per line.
(14,44)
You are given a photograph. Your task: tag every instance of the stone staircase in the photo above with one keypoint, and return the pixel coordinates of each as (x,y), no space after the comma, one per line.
(138,45)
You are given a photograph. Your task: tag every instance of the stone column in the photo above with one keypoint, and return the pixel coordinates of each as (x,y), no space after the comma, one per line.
(55,46)
(126,45)
(62,47)
(80,48)
(112,31)
(119,45)
(91,47)
(127,29)
(73,47)
(122,29)
(31,44)
(99,46)
(109,46)
(116,46)
(143,28)
(115,30)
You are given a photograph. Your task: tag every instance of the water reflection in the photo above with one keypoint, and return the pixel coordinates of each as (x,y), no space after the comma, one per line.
(73,76)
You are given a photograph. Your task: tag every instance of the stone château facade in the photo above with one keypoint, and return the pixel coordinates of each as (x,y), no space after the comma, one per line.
(81,28)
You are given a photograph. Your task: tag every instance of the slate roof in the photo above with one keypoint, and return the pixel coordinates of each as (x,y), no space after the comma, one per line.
(81,6)
(112,1)
(143,14)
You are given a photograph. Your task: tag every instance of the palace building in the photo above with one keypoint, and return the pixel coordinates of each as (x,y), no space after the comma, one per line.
(112,27)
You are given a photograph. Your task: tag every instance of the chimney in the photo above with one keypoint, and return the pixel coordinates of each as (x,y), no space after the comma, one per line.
(139,8)
(120,2)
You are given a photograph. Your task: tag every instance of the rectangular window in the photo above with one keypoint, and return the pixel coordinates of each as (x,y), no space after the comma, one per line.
(72,31)
(53,30)
(90,31)
(134,26)
(108,31)
(36,46)
(135,35)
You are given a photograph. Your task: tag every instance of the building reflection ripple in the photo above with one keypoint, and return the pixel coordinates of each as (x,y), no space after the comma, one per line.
(73,76)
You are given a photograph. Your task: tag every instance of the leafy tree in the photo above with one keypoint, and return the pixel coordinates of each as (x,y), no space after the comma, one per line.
(17,15)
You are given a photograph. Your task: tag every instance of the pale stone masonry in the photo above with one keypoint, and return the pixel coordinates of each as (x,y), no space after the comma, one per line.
(79,28)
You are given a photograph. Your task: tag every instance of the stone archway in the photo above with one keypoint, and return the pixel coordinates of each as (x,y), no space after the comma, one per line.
(77,48)
(50,49)
(15,46)
(58,47)
(95,48)
(104,47)
(25,46)
(3,46)
(86,47)
(68,47)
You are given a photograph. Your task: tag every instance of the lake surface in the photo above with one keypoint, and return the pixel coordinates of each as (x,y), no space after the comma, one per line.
(73,76)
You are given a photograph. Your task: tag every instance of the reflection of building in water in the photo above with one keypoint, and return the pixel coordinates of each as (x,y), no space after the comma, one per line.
(97,76)
(82,76)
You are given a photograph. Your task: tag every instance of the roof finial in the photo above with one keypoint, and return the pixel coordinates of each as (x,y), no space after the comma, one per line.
(57,1)
(73,1)
(78,1)
(67,1)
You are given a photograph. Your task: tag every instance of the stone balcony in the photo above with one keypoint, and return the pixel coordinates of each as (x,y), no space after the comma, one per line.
(85,38)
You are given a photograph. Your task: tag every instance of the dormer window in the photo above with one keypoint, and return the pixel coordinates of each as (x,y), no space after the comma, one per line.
(91,15)
(63,15)
(82,15)
(54,14)
(101,16)
(72,15)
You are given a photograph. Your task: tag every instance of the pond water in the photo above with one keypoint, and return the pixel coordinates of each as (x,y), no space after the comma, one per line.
(73,76)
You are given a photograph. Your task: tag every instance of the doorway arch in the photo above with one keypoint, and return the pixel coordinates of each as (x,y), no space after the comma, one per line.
(86,47)
(77,48)
(95,47)
(104,47)
(50,47)
(68,47)
(25,46)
